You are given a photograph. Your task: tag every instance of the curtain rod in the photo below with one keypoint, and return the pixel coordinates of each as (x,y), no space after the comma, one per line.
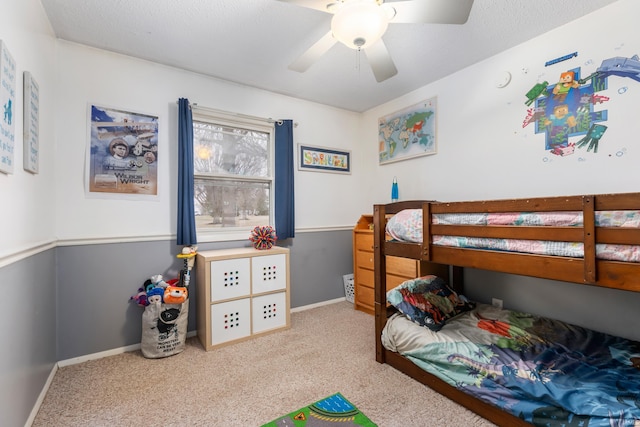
(244,116)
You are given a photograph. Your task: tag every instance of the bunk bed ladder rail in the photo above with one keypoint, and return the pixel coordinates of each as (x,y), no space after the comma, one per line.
(589,243)
(380,297)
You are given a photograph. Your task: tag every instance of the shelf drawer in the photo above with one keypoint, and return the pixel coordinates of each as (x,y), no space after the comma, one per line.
(364,242)
(269,273)
(364,296)
(365,277)
(269,312)
(364,259)
(230,278)
(402,267)
(230,320)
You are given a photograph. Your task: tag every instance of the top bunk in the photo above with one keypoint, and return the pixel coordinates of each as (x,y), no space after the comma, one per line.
(590,239)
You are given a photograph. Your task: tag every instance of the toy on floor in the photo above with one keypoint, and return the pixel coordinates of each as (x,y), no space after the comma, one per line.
(175,295)
(154,291)
(188,255)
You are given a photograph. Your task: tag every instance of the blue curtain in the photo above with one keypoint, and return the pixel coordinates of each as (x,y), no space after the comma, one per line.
(284,209)
(186,215)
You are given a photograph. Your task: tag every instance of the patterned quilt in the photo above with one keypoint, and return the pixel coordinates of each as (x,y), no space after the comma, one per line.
(407,226)
(545,371)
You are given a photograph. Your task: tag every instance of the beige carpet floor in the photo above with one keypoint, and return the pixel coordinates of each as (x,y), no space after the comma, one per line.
(328,349)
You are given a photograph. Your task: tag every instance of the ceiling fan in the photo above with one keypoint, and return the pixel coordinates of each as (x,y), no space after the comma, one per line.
(360,25)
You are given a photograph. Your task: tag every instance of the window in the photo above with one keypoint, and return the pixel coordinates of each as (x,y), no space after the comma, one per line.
(233,172)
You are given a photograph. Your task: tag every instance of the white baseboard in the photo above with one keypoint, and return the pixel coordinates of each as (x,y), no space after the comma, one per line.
(318,304)
(107,353)
(43,393)
(120,350)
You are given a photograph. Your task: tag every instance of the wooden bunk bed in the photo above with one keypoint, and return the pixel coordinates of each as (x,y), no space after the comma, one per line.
(589,269)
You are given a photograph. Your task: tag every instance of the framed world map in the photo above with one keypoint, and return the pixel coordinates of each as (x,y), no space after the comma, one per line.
(408,133)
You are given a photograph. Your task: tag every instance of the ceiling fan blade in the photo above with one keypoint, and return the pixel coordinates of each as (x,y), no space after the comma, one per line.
(312,54)
(431,11)
(320,5)
(380,61)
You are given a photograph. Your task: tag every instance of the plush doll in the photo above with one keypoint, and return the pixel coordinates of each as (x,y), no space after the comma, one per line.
(148,285)
(158,281)
(173,282)
(141,297)
(154,296)
(175,295)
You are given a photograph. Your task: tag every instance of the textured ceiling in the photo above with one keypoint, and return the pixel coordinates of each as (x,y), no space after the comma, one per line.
(252,42)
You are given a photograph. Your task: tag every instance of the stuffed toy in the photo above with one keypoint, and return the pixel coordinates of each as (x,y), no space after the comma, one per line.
(155,295)
(148,285)
(175,295)
(158,281)
(141,297)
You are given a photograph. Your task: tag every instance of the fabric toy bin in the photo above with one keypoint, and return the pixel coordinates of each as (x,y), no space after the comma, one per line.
(164,329)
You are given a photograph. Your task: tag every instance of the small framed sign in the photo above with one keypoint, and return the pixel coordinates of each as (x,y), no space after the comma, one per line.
(320,159)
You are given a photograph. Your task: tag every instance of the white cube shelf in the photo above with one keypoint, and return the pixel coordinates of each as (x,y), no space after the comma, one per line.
(241,293)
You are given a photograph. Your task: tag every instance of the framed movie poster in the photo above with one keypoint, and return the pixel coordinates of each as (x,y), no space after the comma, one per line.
(123,155)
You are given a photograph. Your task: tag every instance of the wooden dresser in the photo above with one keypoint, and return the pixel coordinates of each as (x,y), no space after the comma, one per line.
(398,269)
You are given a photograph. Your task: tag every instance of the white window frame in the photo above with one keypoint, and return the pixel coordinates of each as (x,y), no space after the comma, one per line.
(208,115)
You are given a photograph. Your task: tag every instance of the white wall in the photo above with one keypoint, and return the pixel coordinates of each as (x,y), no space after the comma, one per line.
(27,200)
(90,76)
(483,151)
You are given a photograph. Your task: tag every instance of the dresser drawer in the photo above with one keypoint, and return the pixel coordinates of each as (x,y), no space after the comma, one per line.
(402,267)
(364,277)
(364,296)
(364,259)
(364,242)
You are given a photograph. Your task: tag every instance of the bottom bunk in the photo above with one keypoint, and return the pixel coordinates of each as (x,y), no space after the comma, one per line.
(512,368)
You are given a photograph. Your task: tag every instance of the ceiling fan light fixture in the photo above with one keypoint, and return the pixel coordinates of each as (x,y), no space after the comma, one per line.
(359,23)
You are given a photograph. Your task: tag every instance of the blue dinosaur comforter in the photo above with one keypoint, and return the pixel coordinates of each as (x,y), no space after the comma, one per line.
(545,371)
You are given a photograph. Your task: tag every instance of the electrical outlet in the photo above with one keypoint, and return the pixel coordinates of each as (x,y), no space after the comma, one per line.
(496,302)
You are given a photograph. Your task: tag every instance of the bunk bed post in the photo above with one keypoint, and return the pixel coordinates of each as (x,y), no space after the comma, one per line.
(380,297)
(426,230)
(589,228)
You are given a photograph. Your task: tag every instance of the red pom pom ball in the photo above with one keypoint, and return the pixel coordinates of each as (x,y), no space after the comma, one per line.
(263,237)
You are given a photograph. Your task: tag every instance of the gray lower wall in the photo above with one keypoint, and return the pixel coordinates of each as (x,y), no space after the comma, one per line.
(606,310)
(29,351)
(96,281)
(73,301)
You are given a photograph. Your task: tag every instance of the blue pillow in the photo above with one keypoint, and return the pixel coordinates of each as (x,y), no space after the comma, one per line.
(428,301)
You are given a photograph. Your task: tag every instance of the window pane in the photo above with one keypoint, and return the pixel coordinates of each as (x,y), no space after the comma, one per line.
(229,203)
(224,150)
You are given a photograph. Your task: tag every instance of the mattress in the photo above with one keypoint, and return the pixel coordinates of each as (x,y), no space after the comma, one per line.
(544,371)
(406,226)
